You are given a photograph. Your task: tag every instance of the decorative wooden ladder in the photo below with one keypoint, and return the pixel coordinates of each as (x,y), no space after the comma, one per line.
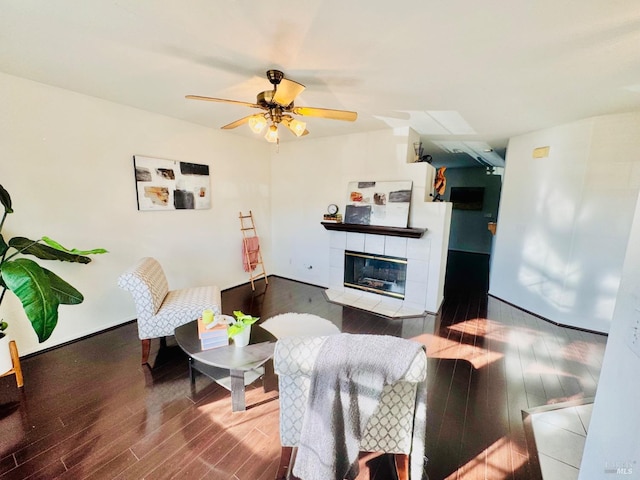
(248,229)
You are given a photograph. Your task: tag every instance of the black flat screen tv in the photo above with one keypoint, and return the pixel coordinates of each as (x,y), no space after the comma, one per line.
(467,198)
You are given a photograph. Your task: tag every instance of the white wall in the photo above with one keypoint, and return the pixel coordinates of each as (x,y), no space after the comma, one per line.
(564,220)
(313,173)
(66,160)
(613,442)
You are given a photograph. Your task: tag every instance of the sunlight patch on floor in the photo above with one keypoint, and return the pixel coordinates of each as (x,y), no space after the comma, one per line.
(494,463)
(438,347)
(487,328)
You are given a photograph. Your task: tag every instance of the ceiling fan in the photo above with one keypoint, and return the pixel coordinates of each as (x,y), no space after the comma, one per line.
(279,109)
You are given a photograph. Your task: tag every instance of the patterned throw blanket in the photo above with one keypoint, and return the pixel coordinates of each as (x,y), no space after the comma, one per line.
(349,375)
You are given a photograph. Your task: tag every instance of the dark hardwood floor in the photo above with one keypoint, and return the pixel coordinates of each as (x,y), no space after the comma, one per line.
(89,410)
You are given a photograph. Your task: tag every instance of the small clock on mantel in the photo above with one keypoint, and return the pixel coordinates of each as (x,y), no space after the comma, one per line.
(332,214)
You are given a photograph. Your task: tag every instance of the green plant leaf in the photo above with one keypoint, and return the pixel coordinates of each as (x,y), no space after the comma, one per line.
(3,245)
(53,244)
(5,198)
(66,294)
(32,286)
(44,252)
(235,329)
(245,318)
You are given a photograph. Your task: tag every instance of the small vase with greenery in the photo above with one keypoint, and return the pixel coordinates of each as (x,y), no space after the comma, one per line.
(242,321)
(39,290)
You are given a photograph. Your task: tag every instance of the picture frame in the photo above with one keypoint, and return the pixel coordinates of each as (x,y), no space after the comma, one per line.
(384,203)
(171,184)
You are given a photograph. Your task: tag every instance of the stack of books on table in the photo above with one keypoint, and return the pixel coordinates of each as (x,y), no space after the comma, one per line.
(213,336)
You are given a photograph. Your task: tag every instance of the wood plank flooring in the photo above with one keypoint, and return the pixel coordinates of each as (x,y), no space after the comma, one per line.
(89,410)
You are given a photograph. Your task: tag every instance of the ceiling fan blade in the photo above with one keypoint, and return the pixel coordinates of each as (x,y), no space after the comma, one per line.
(287,91)
(345,115)
(222,100)
(237,123)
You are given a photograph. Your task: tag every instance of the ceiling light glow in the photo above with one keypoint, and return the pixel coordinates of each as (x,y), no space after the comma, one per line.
(272,134)
(297,126)
(257,123)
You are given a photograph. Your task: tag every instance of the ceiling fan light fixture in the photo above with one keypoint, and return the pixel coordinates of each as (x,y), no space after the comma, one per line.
(257,123)
(297,127)
(272,134)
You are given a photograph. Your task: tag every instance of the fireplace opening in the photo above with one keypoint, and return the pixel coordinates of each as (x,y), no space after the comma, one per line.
(380,274)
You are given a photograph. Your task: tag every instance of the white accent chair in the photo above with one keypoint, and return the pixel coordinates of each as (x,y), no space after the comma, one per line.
(397,426)
(159,309)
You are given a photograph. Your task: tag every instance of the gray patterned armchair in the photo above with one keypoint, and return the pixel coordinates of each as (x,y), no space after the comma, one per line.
(159,309)
(397,426)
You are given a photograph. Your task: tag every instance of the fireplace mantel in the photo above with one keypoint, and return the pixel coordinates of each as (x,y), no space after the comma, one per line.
(375,229)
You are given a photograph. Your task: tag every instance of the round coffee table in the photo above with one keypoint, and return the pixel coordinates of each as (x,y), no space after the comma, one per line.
(230,366)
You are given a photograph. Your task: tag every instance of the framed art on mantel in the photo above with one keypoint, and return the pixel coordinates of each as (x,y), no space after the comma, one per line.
(379,203)
(171,185)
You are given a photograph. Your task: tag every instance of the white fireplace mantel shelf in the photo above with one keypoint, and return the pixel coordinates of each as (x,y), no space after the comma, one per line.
(375,229)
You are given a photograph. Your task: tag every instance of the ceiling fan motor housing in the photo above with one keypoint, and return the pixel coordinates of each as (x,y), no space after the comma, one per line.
(265,99)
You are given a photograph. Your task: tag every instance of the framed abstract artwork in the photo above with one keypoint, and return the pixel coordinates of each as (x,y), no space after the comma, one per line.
(379,203)
(171,185)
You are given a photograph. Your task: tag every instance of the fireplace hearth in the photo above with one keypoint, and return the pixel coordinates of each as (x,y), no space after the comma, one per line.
(381,274)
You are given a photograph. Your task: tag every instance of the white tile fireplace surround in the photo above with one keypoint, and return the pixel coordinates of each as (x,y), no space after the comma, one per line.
(417,252)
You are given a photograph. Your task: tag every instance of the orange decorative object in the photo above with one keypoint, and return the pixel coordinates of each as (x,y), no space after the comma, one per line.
(440,183)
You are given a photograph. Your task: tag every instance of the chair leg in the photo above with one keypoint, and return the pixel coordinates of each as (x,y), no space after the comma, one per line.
(146,348)
(401,461)
(15,358)
(285,463)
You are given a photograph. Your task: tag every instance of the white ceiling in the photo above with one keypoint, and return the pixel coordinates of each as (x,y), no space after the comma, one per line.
(455,71)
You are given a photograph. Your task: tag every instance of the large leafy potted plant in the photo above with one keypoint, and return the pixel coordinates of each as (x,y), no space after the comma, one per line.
(39,290)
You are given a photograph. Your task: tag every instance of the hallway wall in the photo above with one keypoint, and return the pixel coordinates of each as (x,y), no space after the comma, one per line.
(565,219)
